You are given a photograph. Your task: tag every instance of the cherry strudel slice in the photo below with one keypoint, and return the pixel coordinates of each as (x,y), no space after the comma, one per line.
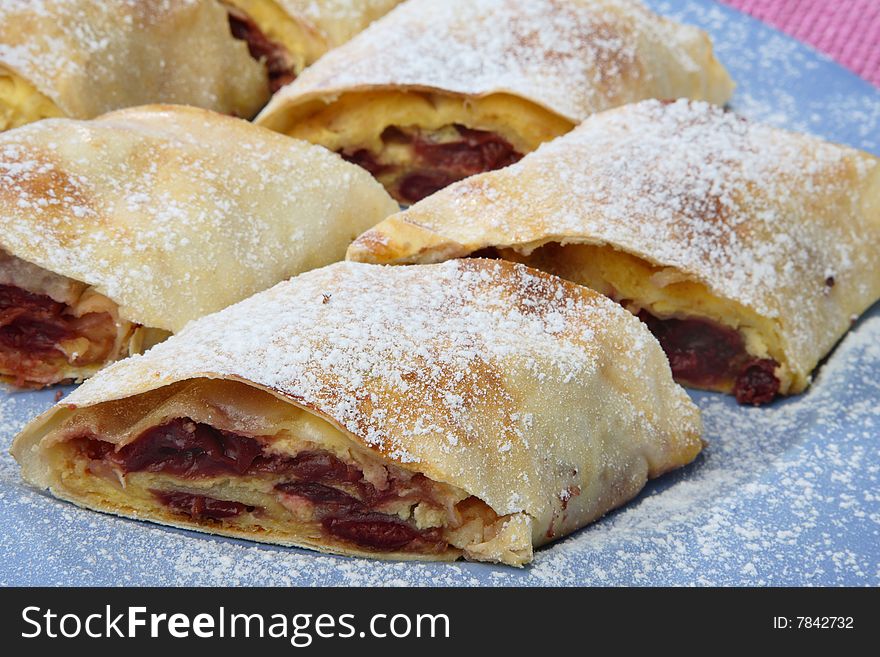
(472,409)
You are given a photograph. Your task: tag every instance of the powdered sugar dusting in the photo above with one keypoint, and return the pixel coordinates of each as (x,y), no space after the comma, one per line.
(145,204)
(759,215)
(81,54)
(574,57)
(45,60)
(437,365)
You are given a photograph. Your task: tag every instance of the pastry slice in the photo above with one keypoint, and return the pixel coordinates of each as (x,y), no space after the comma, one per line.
(288,35)
(116,232)
(437,91)
(82,58)
(747,250)
(473,409)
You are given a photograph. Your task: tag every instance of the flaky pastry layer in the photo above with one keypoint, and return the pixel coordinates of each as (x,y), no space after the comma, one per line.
(359,123)
(309,486)
(303,45)
(666,294)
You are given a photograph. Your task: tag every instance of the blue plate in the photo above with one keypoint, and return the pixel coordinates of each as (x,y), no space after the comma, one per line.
(784,495)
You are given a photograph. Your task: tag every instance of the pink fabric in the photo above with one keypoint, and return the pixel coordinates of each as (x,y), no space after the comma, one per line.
(847,30)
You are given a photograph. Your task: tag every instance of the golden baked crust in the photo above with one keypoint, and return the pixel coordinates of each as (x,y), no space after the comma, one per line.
(601,53)
(681,209)
(147,209)
(543,400)
(81,58)
(337,21)
(526,71)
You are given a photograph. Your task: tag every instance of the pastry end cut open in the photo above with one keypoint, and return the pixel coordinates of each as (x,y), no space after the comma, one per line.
(436,92)
(416,142)
(54,329)
(272,37)
(712,343)
(227,458)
